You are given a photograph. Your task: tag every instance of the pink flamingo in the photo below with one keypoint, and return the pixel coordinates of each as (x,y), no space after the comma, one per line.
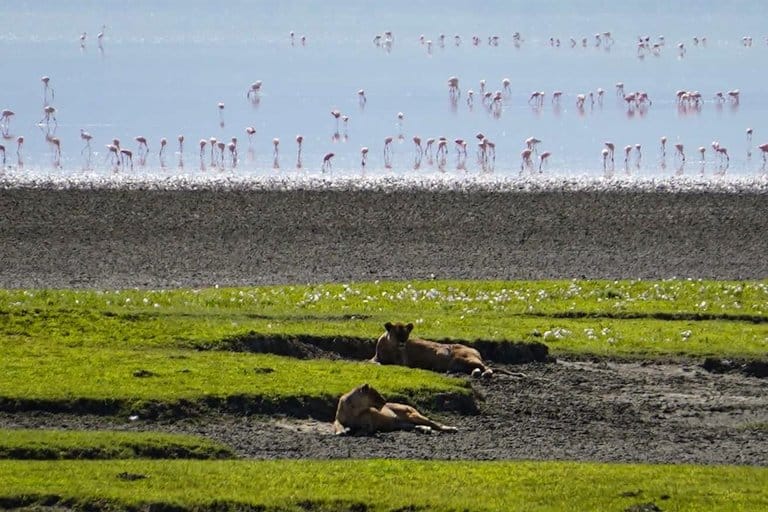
(627,151)
(543,158)
(2,150)
(5,118)
(299,141)
(702,152)
(203,142)
(663,146)
(142,141)
(363,156)
(220,105)
(49,113)
(605,154)
(45,80)
(276,144)
(86,137)
(180,138)
(253,91)
(526,162)
(114,153)
(327,162)
(611,148)
(764,149)
(679,151)
(250,131)
(163,143)
(336,114)
(362,100)
(19,146)
(388,147)
(417,143)
(126,153)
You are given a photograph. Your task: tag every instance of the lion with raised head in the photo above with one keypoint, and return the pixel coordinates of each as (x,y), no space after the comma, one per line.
(364,411)
(390,345)
(396,346)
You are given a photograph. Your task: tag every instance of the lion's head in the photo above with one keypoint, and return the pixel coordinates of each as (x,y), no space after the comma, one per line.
(398,332)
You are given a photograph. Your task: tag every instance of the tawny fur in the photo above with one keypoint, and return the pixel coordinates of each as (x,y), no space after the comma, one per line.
(396,346)
(364,411)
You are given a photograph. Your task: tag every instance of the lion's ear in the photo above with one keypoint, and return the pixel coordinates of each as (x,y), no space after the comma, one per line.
(388,326)
(409,328)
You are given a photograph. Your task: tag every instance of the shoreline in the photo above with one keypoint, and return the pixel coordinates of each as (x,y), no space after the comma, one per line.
(122,238)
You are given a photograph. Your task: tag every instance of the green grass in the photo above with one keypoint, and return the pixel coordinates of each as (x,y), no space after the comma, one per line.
(128,348)
(383,485)
(61,444)
(624,318)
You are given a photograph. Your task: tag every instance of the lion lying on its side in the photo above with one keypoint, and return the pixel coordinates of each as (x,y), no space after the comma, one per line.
(396,347)
(364,410)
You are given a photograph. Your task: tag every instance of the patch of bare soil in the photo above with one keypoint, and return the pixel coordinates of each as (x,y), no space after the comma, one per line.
(568,410)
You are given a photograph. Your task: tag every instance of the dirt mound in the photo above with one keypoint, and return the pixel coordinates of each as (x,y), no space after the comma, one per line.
(347,347)
(756,368)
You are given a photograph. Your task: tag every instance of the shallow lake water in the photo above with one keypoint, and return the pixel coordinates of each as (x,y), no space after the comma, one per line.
(161,69)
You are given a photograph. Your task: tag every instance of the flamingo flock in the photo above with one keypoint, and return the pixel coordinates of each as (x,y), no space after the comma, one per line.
(435,150)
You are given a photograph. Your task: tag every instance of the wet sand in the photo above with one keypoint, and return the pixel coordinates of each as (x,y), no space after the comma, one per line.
(116,238)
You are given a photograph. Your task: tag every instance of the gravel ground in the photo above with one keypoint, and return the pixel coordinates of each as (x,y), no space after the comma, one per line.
(607,411)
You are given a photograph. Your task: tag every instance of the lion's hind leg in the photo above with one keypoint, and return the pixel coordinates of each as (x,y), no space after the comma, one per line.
(408,415)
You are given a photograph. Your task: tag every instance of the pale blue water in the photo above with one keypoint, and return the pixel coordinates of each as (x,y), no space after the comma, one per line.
(165,66)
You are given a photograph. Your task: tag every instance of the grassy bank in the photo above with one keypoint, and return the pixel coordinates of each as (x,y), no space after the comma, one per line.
(128,350)
(61,444)
(381,485)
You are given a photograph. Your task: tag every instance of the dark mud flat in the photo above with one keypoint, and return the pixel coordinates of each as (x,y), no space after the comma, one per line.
(116,238)
(617,412)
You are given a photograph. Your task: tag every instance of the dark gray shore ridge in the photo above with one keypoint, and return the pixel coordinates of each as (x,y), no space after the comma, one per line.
(117,237)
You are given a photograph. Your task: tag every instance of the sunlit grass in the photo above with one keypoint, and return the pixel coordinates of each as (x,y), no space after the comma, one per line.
(605,317)
(385,485)
(67,444)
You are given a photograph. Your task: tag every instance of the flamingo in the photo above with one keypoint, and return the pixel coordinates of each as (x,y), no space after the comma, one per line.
(100,35)
(734,96)
(336,114)
(114,153)
(525,156)
(299,141)
(363,156)
(83,36)
(453,87)
(203,142)
(85,136)
(461,147)
(254,90)
(531,143)
(46,87)
(220,105)
(2,150)
(180,138)
(276,144)
(611,147)
(49,112)
(627,151)
(417,143)
(142,141)
(163,143)
(428,147)
(543,158)
(702,151)
(250,131)
(361,97)
(327,162)
(388,146)
(19,145)
(663,146)
(126,153)
(213,142)
(679,151)
(764,149)
(605,154)
(221,146)
(5,118)
(56,142)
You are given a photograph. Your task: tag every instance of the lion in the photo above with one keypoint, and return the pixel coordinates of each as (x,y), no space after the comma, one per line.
(396,346)
(389,347)
(364,411)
